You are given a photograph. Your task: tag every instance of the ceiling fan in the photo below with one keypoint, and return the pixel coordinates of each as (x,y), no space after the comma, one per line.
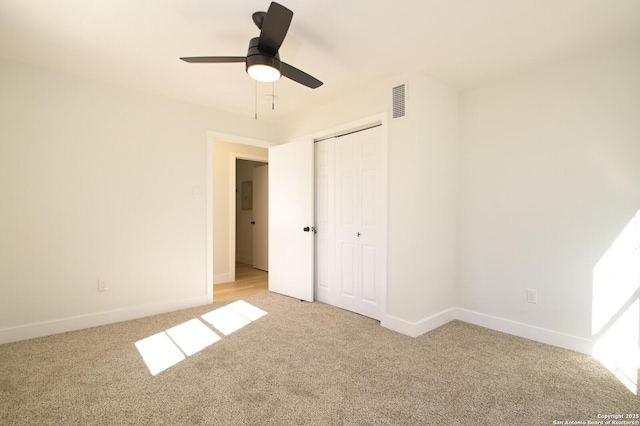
(263,61)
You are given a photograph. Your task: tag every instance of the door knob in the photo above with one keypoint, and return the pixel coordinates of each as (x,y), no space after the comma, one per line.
(359,234)
(306,229)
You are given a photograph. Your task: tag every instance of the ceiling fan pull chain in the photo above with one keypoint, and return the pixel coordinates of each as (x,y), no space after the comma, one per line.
(273,95)
(256,106)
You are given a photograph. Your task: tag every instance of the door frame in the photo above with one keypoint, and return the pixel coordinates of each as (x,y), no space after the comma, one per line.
(212,138)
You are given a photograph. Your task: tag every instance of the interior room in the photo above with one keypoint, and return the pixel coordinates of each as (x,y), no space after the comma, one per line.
(511,190)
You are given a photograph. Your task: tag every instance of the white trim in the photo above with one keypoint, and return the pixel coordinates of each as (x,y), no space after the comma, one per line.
(542,335)
(363,123)
(245,260)
(415,329)
(538,334)
(224,137)
(384,214)
(226,277)
(209,213)
(48,328)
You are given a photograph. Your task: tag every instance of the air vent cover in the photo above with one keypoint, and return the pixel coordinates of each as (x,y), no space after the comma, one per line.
(399,100)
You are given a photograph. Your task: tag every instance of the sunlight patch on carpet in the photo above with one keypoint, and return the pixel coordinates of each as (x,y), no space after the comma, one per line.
(159,352)
(226,320)
(192,336)
(247,310)
(169,347)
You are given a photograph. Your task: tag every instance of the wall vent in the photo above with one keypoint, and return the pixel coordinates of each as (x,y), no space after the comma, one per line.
(399,101)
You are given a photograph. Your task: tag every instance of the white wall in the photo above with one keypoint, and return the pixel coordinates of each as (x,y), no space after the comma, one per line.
(549,176)
(422,204)
(97,182)
(541,171)
(422,159)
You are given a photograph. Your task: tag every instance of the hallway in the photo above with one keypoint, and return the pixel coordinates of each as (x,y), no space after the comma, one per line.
(248,281)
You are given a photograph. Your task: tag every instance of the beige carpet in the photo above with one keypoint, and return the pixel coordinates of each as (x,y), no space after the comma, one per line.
(304,363)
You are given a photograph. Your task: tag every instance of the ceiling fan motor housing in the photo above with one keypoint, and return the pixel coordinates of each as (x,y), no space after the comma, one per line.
(256,57)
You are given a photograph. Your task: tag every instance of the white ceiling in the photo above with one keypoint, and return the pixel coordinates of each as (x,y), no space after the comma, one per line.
(348,44)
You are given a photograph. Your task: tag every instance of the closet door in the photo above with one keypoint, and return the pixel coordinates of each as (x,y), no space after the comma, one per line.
(360,258)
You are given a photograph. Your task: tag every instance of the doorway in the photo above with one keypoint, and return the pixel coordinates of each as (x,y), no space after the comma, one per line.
(248,224)
(222,152)
(252,214)
(248,281)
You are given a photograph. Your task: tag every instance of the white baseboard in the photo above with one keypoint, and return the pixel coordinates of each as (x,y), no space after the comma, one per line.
(47,328)
(415,329)
(223,278)
(542,335)
(412,329)
(245,260)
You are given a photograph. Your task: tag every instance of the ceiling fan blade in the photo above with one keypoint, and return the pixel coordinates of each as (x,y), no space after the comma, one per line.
(300,76)
(274,28)
(214,59)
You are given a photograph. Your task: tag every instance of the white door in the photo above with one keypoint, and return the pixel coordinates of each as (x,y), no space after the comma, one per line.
(261,218)
(291,211)
(357,263)
(325,220)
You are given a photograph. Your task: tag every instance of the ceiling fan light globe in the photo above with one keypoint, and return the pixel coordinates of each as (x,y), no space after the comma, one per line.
(264,73)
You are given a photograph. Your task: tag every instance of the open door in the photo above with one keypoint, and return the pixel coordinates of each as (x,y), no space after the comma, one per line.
(291,218)
(260,228)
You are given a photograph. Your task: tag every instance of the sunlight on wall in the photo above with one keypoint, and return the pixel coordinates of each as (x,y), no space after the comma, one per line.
(167,348)
(616,306)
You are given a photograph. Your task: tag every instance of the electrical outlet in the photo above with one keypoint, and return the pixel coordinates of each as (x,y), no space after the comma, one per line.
(532,296)
(102,285)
